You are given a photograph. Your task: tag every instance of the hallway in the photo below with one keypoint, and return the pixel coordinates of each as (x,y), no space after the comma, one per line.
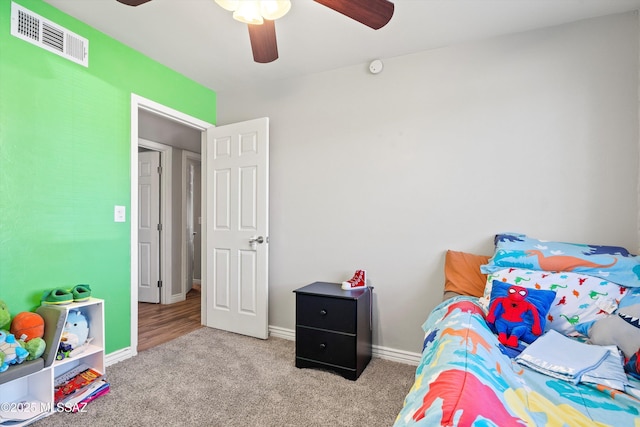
(159,323)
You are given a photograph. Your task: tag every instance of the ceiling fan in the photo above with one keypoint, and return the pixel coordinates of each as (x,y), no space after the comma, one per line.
(372,13)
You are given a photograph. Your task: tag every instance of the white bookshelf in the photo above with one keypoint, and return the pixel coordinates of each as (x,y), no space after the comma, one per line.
(36,389)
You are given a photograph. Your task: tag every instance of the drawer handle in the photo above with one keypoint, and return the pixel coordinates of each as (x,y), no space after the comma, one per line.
(323,346)
(323,312)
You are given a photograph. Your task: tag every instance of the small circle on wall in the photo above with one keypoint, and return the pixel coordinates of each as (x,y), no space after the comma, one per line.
(376,66)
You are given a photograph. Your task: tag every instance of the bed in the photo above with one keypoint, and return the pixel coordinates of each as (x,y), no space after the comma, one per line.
(467,376)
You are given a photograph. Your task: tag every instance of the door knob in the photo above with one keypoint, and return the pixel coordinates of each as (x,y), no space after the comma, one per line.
(258,239)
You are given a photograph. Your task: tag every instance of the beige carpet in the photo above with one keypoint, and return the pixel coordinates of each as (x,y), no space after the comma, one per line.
(215,378)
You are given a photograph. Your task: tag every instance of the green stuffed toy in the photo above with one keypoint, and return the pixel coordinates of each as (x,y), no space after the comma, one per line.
(5,317)
(5,321)
(35,346)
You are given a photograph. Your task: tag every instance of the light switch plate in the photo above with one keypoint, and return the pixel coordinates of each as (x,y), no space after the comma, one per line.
(119,213)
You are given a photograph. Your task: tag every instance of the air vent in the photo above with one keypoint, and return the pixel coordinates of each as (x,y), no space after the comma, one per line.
(35,29)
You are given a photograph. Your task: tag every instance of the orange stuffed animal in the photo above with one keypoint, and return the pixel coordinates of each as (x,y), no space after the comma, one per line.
(27,325)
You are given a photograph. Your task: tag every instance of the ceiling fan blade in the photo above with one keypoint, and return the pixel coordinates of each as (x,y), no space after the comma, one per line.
(133,2)
(372,13)
(263,41)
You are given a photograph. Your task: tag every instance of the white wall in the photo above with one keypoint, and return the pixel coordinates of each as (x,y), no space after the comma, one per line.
(535,133)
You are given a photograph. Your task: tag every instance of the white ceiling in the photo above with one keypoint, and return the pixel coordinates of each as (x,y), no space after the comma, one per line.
(202,41)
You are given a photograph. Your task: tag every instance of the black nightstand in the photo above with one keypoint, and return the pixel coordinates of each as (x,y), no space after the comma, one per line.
(333,328)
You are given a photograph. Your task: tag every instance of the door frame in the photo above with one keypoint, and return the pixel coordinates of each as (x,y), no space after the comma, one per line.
(139,102)
(186,156)
(166,241)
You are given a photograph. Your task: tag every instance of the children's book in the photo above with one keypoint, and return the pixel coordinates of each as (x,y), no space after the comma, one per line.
(101,391)
(70,374)
(75,385)
(81,398)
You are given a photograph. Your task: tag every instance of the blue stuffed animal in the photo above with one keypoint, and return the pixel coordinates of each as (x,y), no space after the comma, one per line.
(74,334)
(11,352)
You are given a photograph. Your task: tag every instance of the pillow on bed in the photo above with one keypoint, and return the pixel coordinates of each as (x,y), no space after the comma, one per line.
(518,313)
(621,329)
(632,297)
(462,273)
(579,298)
(611,263)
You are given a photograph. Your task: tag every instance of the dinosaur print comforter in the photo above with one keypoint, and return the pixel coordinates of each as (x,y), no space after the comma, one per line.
(463,379)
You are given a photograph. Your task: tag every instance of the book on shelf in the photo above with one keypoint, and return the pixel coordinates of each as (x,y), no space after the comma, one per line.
(70,374)
(75,386)
(79,400)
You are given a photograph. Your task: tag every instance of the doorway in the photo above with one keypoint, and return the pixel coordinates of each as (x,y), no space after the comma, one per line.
(141,110)
(192,219)
(150,235)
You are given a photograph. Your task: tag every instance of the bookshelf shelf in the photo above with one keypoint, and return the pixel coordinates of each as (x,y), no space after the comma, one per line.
(31,396)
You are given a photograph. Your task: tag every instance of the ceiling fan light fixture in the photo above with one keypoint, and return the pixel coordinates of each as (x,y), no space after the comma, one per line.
(248,12)
(255,11)
(230,5)
(274,9)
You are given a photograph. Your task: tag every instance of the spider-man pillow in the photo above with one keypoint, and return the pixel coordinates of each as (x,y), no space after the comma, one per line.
(580,298)
(518,313)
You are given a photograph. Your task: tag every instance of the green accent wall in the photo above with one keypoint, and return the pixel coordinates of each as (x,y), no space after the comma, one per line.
(65,163)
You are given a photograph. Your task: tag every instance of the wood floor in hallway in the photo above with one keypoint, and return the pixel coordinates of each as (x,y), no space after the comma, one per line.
(159,323)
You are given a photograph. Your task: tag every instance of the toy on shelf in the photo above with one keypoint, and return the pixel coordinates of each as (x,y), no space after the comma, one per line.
(5,317)
(75,335)
(28,328)
(11,352)
(27,325)
(20,338)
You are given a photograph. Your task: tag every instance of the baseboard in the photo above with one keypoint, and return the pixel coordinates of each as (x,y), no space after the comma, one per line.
(386,353)
(118,356)
(395,355)
(287,334)
(176,298)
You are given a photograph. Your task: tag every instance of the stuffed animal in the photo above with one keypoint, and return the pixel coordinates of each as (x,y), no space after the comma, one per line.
(12,351)
(621,329)
(74,334)
(633,365)
(27,325)
(5,317)
(21,337)
(517,313)
(35,347)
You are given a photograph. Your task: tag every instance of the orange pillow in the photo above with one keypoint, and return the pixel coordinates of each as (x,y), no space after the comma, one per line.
(462,273)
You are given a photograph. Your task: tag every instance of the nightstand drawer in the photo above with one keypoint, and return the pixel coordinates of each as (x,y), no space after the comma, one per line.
(326,347)
(333,314)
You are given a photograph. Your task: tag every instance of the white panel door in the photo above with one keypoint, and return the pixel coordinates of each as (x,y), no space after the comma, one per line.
(148,220)
(235,198)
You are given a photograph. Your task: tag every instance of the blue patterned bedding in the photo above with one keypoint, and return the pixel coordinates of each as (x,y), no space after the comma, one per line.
(463,379)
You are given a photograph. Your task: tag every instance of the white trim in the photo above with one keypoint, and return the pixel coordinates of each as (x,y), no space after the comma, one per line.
(395,355)
(138,102)
(638,142)
(277,332)
(392,354)
(118,356)
(186,156)
(386,353)
(166,218)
